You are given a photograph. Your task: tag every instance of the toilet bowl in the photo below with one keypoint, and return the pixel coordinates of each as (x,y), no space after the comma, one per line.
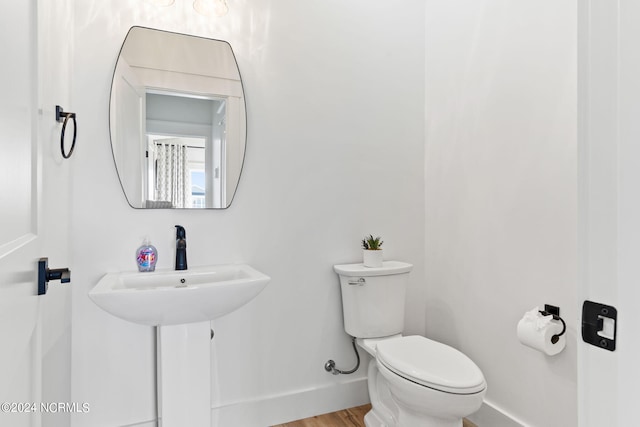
(413,381)
(432,384)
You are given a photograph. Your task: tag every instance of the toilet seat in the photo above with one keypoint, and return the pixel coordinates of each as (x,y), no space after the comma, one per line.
(431,364)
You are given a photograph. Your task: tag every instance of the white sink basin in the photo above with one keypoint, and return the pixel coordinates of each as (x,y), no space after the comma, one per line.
(169,297)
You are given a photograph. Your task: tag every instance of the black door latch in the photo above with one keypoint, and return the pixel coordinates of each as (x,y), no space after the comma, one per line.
(599,324)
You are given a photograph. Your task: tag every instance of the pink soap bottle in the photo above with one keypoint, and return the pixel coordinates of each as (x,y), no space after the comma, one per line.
(146,256)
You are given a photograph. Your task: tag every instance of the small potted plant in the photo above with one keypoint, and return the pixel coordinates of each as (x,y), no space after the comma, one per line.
(372,251)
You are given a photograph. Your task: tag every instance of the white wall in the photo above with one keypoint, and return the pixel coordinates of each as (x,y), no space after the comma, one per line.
(335,98)
(501,193)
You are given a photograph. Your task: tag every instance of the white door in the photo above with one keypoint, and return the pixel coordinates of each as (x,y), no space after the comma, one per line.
(35,346)
(609,205)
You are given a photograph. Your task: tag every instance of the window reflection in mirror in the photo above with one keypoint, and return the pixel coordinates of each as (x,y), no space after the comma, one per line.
(177,120)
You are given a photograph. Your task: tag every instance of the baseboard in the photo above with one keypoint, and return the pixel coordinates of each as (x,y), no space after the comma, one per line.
(299,404)
(489,415)
(143,424)
(295,405)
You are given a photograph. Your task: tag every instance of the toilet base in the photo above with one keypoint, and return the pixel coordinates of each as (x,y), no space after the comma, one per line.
(408,418)
(384,412)
(371,419)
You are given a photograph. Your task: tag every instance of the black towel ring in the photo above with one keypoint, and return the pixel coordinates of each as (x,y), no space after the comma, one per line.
(63,117)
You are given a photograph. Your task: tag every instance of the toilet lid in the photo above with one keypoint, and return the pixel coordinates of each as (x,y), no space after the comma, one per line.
(432,364)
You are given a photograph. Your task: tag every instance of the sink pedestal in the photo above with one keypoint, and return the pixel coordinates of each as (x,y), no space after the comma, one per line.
(184,375)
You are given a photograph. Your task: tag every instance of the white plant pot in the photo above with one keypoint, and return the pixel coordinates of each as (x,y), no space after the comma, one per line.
(372,258)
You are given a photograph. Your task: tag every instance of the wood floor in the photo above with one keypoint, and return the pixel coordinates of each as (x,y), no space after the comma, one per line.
(352,417)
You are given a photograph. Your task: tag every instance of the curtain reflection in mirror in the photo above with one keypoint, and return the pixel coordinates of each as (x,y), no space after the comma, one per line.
(173,180)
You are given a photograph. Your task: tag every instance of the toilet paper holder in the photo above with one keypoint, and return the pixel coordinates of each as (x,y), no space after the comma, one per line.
(552,310)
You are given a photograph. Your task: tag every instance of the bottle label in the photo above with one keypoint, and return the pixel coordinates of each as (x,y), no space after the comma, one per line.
(146,257)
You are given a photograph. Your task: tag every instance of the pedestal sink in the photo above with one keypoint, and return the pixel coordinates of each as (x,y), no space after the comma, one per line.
(169,297)
(181,304)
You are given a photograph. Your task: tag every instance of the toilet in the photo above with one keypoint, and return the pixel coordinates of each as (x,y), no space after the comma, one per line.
(413,381)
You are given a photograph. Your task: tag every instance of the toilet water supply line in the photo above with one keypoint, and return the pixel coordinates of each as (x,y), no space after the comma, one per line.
(330,366)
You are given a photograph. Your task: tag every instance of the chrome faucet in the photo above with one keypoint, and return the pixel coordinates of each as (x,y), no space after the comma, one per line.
(181,248)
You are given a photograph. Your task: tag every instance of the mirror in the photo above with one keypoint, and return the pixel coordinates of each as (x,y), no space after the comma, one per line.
(177,120)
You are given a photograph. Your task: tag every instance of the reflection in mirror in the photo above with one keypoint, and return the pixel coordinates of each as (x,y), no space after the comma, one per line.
(177,120)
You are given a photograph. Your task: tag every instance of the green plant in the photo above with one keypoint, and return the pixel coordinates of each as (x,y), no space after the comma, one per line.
(372,243)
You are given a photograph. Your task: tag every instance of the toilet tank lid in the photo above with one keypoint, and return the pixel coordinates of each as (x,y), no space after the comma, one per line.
(388,268)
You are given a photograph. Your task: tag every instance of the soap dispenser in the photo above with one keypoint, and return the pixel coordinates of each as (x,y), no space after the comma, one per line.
(181,248)
(146,256)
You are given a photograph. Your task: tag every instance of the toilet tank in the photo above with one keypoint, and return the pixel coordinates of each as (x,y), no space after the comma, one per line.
(373,299)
